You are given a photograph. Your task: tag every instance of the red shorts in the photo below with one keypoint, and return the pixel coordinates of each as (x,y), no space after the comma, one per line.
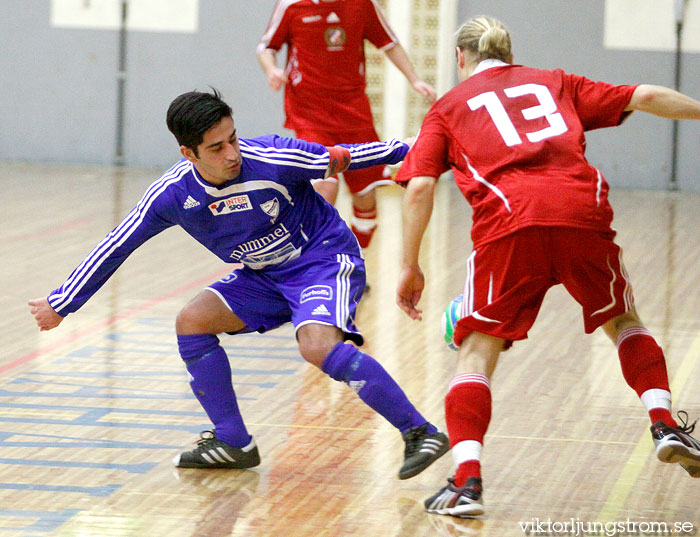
(508,278)
(358,181)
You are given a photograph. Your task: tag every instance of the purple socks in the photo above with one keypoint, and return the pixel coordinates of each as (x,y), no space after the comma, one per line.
(210,380)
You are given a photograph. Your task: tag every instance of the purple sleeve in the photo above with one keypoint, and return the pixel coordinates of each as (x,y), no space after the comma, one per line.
(140,224)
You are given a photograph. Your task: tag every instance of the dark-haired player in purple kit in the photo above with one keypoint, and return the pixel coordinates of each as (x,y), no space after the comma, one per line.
(250,201)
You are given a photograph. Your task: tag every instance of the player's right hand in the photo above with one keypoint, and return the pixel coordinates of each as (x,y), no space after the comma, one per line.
(426,90)
(409,291)
(46,317)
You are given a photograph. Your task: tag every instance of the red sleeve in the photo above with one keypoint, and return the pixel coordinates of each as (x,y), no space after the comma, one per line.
(377,29)
(277,31)
(429,155)
(599,104)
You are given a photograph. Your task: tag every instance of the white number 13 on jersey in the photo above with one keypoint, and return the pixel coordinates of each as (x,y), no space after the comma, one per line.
(546,109)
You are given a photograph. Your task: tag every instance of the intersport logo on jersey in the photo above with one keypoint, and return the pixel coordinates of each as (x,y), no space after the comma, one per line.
(234,204)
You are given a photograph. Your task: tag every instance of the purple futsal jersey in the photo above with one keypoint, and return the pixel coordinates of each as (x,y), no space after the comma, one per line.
(269,218)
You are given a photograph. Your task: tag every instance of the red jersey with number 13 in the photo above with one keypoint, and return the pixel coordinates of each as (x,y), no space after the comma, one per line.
(514,138)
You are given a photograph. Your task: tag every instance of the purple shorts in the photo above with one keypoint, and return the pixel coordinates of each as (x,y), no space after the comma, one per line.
(321,291)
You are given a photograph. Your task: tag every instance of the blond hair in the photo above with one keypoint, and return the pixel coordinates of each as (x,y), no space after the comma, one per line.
(484,37)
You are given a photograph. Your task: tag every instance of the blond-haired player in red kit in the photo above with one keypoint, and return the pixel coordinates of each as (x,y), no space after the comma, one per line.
(324,84)
(514,139)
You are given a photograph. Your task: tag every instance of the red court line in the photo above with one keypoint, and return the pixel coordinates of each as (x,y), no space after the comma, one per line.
(130,313)
(48,231)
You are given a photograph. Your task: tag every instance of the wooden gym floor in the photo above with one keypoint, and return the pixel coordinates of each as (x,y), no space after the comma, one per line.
(92,412)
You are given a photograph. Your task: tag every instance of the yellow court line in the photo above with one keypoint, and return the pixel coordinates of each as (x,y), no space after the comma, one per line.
(635,464)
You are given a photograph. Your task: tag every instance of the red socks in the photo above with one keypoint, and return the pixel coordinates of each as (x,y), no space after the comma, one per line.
(468,400)
(363,225)
(644,368)
(468,413)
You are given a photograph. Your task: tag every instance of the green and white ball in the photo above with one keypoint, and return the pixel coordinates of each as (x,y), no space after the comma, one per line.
(449,320)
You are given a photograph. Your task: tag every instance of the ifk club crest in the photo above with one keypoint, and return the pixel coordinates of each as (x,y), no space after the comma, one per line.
(335,38)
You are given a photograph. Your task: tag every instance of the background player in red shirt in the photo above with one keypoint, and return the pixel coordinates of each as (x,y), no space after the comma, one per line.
(514,139)
(324,80)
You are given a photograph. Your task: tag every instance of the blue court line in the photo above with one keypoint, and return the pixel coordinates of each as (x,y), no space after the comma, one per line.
(133,337)
(233,352)
(288,337)
(140,468)
(92,391)
(99,409)
(116,374)
(46,520)
(90,444)
(102,491)
(83,390)
(293,358)
(83,422)
(166,325)
(101,374)
(111,424)
(89,350)
(91,416)
(77,442)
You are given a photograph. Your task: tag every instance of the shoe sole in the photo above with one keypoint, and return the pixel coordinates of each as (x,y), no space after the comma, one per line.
(694,471)
(672,452)
(461,511)
(215,466)
(415,470)
(222,465)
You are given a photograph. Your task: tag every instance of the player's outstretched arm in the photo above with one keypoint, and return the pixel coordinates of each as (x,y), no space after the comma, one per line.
(397,55)
(663,102)
(46,317)
(276,77)
(358,156)
(417,209)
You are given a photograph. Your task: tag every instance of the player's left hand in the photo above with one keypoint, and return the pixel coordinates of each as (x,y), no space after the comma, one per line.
(409,291)
(426,90)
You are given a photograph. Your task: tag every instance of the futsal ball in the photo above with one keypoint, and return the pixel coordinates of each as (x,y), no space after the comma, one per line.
(449,320)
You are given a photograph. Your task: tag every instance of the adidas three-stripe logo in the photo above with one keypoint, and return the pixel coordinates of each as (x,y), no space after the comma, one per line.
(190,202)
(430,445)
(357,385)
(446,499)
(217,455)
(321,310)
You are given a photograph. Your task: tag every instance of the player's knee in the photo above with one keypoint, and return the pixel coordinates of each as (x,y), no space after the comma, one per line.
(183,322)
(617,324)
(315,351)
(316,342)
(190,320)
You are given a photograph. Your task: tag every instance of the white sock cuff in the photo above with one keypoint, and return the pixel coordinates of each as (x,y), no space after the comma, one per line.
(656,398)
(469,378)
(630,332)
(466,450)
(363,224)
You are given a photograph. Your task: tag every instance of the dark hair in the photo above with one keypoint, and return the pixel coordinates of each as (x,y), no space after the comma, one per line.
(193,113)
